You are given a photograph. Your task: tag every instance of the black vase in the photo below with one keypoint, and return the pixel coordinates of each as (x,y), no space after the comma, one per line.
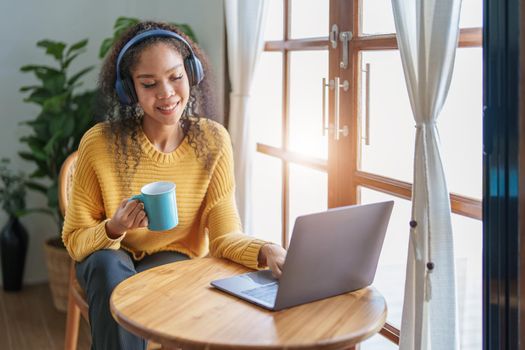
(13,249)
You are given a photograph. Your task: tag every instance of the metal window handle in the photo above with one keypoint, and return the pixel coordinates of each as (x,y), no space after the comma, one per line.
(325,124)
(334,84)
(367,103)
(333,36)
(337,87)
(345,37)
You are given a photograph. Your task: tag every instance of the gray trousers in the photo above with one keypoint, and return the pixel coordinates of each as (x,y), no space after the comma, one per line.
(99,274)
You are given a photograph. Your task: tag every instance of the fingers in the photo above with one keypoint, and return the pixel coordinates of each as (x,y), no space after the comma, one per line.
(144,222)
(130,207)
(275,257)
(276,271)
(132,215)
(139,217)
(129,215)
(139,207)
(280,263)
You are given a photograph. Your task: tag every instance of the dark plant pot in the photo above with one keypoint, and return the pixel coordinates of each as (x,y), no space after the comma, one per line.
(13,249)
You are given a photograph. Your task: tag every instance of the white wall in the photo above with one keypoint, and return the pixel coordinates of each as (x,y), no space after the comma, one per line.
(24,22)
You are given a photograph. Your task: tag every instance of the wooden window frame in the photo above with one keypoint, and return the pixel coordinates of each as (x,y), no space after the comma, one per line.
(461,205)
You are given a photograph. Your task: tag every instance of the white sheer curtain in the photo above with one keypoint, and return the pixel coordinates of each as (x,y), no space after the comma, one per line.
(427,35)
(244,27)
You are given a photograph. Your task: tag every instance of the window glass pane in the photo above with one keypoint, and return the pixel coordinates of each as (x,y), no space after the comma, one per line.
(460,125)
(468,245)
(471,14)
(307,69)
(309,18)
(274,21)
(391,269)
(377,17)
(392,132)
(267,198)
(308,192)
(266,101)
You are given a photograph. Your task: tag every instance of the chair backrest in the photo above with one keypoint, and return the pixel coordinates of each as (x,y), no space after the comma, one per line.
(65,181)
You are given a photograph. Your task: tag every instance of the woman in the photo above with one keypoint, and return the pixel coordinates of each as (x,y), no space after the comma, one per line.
(155,85)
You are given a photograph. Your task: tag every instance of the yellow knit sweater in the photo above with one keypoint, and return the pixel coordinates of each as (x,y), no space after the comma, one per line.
(207,211)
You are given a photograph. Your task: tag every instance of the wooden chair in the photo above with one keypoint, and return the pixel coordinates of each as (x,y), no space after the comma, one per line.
(77,304)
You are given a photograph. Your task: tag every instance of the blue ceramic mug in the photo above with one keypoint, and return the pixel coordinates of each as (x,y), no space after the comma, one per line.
(160,205)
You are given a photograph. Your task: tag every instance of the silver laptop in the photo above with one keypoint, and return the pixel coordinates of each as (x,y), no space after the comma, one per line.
(330,253)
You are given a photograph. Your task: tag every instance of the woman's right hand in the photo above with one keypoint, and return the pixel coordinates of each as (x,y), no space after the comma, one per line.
(129,215)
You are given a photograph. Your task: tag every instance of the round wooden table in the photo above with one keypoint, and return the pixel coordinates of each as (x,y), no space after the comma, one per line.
(175,306)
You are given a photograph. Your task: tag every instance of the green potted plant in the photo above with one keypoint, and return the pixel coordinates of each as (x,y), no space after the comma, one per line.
(13,237)
(65,115)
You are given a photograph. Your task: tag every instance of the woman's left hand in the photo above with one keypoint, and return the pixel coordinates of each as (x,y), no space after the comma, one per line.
(273,256)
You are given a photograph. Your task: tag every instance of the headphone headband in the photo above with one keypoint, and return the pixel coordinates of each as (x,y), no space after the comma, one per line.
(192,64)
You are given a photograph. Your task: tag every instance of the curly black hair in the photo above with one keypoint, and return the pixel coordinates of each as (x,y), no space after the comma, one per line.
(125,121)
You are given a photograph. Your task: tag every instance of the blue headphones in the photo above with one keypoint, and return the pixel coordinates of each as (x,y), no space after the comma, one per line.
(125,88)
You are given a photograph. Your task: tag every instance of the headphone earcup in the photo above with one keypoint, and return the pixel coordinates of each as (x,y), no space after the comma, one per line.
(121,92)
(129,87)
(126,91)
(194,70)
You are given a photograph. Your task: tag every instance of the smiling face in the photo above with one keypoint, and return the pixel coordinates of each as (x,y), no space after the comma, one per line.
(161,84)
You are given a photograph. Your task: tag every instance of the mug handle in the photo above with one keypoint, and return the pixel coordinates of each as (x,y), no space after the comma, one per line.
(139,197)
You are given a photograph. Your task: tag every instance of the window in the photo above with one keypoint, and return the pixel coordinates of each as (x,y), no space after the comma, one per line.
(299,169)
(290,170)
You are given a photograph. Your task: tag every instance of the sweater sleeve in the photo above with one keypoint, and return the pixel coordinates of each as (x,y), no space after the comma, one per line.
(221,216)
(84,229)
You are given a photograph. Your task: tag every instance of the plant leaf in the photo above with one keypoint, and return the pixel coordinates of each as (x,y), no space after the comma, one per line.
(52,196)
(26,155)
(36,147)
(29,88)
(39,154)
(48,148)
(30,157)
(35,67)
(125,22)
(56,103)
(75,77)
(36,186)
(54,83)
(40,126)
(105,47)
(122,24)
(77,46)
(38,173)
(57,122)
(33,139)
(54,48)
(68,61)
(38,96)
(68,127)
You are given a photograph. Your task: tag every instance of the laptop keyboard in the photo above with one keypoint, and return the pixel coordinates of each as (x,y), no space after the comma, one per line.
(266,293)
